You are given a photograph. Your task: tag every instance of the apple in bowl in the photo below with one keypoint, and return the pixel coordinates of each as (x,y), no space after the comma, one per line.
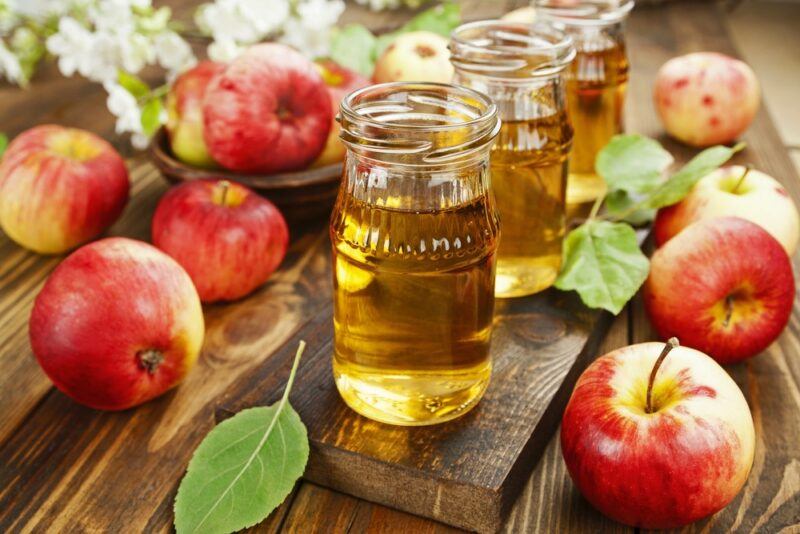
(228,238)
(60,187)
(724,286)
(657,436)
(706,98)
(340,81)
(117,323)
(734,191)
(185,114)
(269,111)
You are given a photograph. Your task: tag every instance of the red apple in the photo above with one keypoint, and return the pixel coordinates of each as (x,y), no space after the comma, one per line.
(415,57)
(228,238)
(60,187)
(117,323)
(340,82)
(706,98)
(665,463)
(723,286)
(268,111)
(738,192)
(185,114)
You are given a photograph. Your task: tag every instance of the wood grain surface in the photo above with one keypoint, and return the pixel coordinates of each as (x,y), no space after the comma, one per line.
(65,468)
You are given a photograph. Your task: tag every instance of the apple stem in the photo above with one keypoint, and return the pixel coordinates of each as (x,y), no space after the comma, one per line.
(728,310)
(150,359)
(668,346)
(747,169)
(225,185)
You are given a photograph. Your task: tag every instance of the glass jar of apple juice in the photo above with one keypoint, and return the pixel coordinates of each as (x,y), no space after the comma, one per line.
(596,85)
(521,67)
(414,233)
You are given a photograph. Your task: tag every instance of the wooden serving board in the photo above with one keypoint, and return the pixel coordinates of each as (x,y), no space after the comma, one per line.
(467,472)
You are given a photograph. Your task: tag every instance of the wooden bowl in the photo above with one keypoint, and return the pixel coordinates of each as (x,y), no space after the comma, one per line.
(301,195)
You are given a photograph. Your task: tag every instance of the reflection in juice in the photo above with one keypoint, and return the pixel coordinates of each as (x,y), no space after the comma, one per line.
(413,307)
(596,85)
(529,176)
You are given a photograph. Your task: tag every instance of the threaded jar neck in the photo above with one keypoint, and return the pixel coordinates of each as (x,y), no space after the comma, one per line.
(591,13)
(418,124)
(510,50)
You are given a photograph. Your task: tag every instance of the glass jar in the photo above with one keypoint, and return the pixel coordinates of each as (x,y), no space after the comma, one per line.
(596,85)
(414,233)
(521,67)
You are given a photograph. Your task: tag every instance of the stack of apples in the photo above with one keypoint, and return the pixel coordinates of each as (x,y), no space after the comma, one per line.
(270,110)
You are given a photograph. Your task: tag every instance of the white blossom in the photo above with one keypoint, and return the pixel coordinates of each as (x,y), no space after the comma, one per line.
(172,52)
(9,65)
(40,9)
(224,50)
(310,31)
(74,46)
(126,109)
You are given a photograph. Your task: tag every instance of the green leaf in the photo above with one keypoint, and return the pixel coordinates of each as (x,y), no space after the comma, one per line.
(244,468)
(133,84)
(632,163)
(442,19)
(354,47)
(683,181)
(151,116)
(3,143)
(621,205)
(602,261)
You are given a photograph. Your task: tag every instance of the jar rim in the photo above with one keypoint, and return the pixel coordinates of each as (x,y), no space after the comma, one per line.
(435,121)
(586,13)
(505,49)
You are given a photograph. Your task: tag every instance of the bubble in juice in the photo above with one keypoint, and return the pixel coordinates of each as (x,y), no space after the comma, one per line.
(413,307)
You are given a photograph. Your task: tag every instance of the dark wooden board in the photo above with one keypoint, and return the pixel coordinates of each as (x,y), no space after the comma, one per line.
(467,472)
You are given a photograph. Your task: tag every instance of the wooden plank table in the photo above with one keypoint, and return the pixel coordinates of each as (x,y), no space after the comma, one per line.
(68,468)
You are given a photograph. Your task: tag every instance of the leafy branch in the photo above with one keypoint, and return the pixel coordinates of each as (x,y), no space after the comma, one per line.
(602,260)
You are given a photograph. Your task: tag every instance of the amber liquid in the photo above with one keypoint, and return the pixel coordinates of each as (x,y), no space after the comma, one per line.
(529,177)
(596,85)
(413,307)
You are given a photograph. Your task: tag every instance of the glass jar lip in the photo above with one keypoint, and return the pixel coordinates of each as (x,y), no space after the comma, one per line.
(585,13)
(433,122)
(472,49)
(351,111)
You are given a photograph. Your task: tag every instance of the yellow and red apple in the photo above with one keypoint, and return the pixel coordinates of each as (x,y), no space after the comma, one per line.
(738,192)
(723,286)
(340,81)
(185,114)
(117,323)
(706,98)
(269,111)
(665,463)
(228,238)
(60,187)
(420,56)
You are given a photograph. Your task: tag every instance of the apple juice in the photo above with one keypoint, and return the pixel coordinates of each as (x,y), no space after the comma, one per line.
(596,84)
(413,308)
(529,169)
(414,234)
(521,67)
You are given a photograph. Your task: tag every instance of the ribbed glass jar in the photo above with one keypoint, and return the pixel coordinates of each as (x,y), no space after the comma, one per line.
(596,85)
(521,67)
(414,233)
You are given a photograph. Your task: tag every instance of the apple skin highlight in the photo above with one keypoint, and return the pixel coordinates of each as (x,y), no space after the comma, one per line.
(685,461)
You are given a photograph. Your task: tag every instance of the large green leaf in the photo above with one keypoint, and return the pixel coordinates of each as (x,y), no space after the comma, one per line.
(151,116)
(604,264)
(243,469)
(3,144)
(632,163)
(354,47)
(677,187)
